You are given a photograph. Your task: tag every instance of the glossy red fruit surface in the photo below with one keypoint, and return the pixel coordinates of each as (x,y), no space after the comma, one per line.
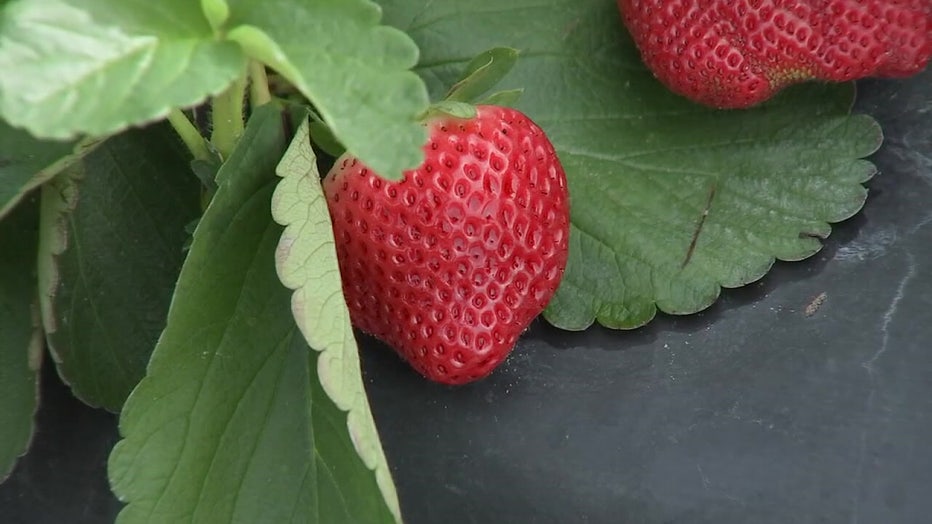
(450,264)
(737,53)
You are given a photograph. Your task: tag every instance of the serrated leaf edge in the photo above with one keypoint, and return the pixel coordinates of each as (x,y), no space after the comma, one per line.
(59,199)
(338,367)
(34,356)
(81,149)
(116,125)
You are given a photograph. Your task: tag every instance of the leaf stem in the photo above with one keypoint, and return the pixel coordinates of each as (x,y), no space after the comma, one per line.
(189,134)
(258,84)
(227,118)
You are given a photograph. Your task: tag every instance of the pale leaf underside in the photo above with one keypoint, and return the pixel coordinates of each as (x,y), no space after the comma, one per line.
(307,262)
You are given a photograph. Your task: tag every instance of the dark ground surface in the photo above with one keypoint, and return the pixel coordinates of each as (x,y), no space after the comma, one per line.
(753,411)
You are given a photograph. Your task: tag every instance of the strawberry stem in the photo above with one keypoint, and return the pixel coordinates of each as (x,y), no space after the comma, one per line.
(189,135)
(258,84)
(227,117)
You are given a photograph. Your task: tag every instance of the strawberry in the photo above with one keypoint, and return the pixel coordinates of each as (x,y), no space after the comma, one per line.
(450,264)
(736,53)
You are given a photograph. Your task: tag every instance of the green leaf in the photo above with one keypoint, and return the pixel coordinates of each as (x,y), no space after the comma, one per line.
(648,169)
(506,98)
(97,66)
(230,425)
(113,231)
(307,263)
(354,71)
(483,73)
(26,163)
(324,139)
(20,335)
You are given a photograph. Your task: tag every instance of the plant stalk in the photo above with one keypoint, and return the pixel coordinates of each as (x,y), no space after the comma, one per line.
(189,135)
(227,118)
(258,84)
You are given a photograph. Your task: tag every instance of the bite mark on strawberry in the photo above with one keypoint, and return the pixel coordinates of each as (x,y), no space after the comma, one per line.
(450,264)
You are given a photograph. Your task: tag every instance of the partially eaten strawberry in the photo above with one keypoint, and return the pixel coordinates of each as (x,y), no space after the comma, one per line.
(737,53)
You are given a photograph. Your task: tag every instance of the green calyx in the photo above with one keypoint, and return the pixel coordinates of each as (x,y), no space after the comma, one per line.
(480,75)
(449,108)
(483,73)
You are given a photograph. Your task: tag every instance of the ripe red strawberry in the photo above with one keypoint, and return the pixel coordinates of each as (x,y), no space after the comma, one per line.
(736,53)
(450,264)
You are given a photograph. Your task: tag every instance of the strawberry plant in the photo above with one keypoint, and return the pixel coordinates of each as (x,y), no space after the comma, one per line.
(166,240)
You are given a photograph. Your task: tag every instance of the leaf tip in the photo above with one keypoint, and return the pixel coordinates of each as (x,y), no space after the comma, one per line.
(217,13)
